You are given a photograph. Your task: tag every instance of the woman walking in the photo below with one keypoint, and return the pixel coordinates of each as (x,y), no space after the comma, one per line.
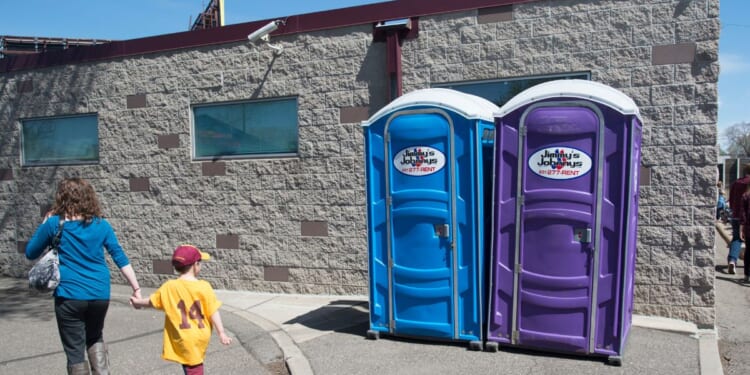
(82,297)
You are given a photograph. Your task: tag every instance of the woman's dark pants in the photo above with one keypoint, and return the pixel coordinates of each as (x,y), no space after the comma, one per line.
(80,324)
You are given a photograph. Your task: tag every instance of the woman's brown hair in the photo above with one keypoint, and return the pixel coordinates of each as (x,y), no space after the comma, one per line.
(76,197)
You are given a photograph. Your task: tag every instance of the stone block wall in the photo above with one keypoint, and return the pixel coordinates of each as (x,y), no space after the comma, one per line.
(663,54)
(277,225)
(298,224)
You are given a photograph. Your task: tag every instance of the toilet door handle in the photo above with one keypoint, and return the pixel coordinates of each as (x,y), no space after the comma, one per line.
(442,230)
(582,235)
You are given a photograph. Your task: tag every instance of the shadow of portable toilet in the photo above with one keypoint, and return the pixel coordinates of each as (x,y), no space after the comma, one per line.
(565,220)
(428,157)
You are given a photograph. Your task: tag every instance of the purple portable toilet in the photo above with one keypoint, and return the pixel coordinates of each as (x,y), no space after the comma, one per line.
(565,219)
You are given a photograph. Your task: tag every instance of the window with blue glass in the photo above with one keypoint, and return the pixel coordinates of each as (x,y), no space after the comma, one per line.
(263,128)
(501,90)
(60,140)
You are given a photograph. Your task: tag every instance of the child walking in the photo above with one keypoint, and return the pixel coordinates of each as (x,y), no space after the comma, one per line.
(187,302)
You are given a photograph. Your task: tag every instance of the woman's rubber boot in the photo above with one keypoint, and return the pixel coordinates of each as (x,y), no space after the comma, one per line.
(79,369)
(99,358)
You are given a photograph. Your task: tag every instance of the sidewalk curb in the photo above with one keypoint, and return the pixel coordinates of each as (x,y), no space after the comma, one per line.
(708,343)
(708,353)
(296,362)
(664,324)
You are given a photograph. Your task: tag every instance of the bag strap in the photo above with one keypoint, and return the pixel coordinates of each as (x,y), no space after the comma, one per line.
(56,240)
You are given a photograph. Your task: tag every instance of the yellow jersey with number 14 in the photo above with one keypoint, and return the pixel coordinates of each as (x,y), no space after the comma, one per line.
(188,306)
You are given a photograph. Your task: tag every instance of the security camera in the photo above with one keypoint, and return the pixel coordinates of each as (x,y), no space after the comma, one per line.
(263,32)
(404,23)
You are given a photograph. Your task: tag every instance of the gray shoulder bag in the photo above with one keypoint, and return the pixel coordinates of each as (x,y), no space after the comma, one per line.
(45,274)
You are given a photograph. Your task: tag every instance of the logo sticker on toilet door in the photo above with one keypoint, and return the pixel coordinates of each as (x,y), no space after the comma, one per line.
(419,160)
(560,163)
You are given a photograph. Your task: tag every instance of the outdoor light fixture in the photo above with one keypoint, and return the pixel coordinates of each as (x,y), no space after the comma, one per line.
(262,34)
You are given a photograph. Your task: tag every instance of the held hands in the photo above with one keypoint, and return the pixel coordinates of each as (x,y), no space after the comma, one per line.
(139,303)
(136,300)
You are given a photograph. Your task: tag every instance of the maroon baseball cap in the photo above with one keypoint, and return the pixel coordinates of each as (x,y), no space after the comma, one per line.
(185,255)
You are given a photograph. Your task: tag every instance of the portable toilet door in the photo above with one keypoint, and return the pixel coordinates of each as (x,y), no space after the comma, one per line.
(425,214)
(564,236)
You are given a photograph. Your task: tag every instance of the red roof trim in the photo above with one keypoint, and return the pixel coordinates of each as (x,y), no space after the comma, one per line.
(331,19)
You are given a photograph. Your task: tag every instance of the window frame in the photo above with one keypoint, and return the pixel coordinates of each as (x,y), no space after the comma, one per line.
(548,77)
(22,140)
(271,155)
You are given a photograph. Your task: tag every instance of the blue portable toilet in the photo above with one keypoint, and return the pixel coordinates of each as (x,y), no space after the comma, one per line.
(565,220)
(428,157)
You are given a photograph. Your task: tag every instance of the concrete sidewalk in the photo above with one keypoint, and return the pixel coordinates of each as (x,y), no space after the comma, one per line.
(299,334)
(31,344)
(732,308)
(326,335)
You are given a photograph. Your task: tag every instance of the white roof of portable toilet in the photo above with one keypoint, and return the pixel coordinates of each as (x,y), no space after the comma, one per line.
(469,106)
(575,88)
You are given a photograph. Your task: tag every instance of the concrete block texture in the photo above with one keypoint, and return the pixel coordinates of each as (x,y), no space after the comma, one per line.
(664,54)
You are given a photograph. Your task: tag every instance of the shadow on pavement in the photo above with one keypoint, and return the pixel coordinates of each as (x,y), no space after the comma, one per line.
(338,316)
(20,302)
(734,280)
(360,329)
(722,270)
(532,354)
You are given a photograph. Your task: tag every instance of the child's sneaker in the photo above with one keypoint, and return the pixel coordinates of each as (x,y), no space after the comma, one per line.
(731,269)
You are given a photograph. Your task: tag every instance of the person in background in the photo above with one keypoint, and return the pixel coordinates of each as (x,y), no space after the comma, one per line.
(721,205)
(191,309)
(736,191)
(745,226)
(82,297)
